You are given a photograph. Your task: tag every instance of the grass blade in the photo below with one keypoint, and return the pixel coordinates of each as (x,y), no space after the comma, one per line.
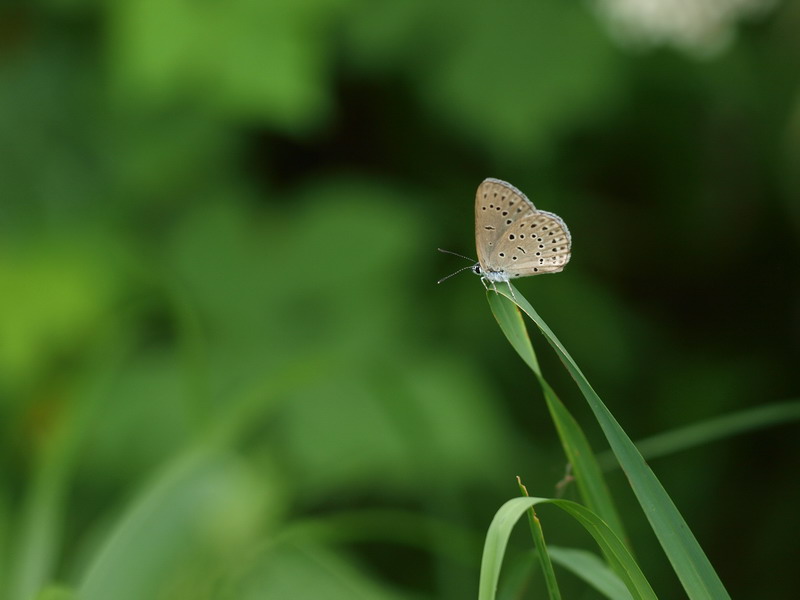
(201,507)
(710,430)
(541,549)
(591,484)
(681,547)
(589,567)
(508,515)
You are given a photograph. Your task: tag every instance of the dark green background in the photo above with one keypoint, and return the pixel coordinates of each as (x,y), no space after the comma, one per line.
(218,310)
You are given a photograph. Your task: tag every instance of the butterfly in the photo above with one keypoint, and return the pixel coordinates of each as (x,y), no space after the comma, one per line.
(513,238)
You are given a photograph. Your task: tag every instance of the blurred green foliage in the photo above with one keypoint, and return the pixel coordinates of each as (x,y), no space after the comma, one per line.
(217,312)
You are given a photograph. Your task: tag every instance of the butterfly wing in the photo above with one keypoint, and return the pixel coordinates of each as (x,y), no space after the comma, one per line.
(498,205)
(515,238)
(534,245)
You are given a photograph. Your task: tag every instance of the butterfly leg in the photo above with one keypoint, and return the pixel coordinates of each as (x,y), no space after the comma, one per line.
(511,289)
(484,280)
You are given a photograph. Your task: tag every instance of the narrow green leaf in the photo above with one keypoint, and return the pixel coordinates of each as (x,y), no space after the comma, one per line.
(508,515)
(513,326)
(34,554)
(710,430)
(588,475)
(519,574)
(541,550)
(684,552)
(202,506)
(589,567)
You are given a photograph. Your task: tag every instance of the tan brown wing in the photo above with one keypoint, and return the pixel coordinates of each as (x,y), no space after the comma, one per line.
(534,245)
(498,205)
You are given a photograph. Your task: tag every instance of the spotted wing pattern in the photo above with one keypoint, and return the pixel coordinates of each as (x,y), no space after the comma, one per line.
(515,238)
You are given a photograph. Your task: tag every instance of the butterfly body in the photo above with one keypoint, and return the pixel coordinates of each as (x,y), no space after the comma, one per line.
(493,276)
(515,239)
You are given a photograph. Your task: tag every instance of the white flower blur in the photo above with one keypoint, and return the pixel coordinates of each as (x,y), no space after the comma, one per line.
(699,27)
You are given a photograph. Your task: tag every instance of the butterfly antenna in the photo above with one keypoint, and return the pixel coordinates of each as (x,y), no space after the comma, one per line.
(456,273)
(455,254)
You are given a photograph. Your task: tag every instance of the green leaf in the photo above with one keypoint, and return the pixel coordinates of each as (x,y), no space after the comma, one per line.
(591,569)
(541,550)
(39,522)
(684,552)
(202,510)
(508,515)
(710,430)
(588,475)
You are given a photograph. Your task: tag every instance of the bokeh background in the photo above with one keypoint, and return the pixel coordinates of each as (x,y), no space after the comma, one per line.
(225,368)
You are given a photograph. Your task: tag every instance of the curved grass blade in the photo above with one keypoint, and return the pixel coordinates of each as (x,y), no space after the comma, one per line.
(710,430)
(34,554)
(681,547)
(590,567)
(174,524)
(508,515)
(519,575)
(591,484)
